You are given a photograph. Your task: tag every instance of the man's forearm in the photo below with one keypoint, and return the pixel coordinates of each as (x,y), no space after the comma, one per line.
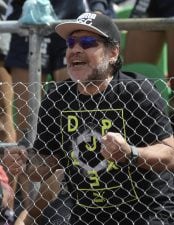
(48,192)
(41,167)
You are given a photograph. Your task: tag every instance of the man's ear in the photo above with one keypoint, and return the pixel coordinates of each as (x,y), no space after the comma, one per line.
(114,53)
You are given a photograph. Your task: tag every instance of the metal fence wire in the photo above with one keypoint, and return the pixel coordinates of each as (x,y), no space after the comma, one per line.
(101,184)
(79,132)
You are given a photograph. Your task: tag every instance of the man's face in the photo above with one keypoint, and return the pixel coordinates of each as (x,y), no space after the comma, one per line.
(87,62)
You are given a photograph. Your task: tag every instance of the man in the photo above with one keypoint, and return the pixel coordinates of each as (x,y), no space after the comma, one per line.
(53,50)
(108,131)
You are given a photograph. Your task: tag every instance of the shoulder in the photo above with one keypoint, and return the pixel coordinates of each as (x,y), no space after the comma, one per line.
(131,75)
(60,90)
(131,79)
(58,97)
(137,85)
(57,86)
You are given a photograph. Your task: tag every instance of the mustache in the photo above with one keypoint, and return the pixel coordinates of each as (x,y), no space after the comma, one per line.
(76,56)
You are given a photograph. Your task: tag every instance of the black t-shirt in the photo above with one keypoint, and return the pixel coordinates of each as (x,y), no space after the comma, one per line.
(71,125)
(68,9)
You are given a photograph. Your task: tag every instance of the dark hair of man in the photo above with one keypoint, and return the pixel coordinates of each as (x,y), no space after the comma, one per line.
(118,64)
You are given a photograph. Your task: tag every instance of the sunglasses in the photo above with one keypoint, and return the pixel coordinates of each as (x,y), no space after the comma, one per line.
(85,42)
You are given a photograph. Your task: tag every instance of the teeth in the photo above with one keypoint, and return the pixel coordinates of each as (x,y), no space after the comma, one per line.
(77,61)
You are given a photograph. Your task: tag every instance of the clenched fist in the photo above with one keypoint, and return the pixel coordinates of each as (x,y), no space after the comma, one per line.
(115,147)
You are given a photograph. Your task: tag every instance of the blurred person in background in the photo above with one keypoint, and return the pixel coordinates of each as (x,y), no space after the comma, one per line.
(149,44)
(8,134)
(7,129)
(13,162)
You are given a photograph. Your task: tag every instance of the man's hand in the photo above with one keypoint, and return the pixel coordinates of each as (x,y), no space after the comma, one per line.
(115,147)
(7,192)
(14,159)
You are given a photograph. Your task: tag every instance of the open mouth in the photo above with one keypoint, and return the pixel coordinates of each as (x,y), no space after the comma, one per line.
(78,63)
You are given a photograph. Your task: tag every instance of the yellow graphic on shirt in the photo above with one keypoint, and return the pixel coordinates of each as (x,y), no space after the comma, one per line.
(86,143)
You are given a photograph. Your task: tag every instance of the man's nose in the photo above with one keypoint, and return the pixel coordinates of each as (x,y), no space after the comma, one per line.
(77,47)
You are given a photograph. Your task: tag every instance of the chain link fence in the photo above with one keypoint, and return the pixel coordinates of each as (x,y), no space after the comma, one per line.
(84,132)
(85,127)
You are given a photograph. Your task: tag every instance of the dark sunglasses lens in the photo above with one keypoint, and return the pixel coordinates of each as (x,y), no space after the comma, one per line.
(85,42)
(88,42)
(70,42)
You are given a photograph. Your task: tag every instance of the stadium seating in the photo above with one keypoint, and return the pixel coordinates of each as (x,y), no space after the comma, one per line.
(153,72)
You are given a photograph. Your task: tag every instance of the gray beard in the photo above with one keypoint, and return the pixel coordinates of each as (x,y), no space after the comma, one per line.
(101,73)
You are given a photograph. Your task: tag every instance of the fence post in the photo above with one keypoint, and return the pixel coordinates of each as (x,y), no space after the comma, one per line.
(35,39)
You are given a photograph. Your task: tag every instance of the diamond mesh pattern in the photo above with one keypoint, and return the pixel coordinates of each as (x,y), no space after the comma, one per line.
(96,190)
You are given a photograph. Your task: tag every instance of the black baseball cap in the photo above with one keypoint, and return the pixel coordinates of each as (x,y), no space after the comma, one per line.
(95,22)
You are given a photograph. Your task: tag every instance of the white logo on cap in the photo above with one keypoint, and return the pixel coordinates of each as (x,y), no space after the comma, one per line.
(86,18)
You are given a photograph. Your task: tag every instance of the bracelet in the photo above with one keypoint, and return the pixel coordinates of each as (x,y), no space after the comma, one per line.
(134,154)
